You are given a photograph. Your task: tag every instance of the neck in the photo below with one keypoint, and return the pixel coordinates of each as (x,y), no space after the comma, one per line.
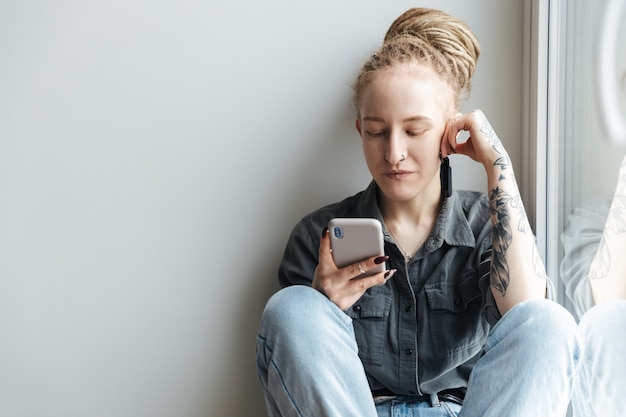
(409,222)
(417,211)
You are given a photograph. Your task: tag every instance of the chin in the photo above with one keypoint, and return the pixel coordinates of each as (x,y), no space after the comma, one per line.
(399,191)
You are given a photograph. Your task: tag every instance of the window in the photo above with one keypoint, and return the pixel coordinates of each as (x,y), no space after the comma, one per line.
(580,152)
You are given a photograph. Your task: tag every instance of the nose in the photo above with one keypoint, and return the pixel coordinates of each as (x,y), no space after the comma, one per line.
(395,151)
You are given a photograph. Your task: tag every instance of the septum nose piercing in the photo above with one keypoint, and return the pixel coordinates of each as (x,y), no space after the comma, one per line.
(402,158)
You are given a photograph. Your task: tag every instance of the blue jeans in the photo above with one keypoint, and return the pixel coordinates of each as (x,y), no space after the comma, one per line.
(308,364)
(600,388)
(417,406)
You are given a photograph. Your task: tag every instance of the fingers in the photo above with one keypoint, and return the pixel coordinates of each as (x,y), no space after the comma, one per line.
(344,286)
(364,278)
(350,291)
(325,253)
(360,285)
(482,144)
(449,143)
(365,267)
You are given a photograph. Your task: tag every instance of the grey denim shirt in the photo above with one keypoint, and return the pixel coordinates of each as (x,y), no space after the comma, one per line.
(423,330)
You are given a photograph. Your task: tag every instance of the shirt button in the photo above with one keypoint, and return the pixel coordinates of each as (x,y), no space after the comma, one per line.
(356,308)
(408,309)
(408,352)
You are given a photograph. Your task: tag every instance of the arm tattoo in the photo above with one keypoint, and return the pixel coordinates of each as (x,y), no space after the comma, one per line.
(503,163)
(516,202)
(495,142)
(502,237)
(501,202)
(524,227)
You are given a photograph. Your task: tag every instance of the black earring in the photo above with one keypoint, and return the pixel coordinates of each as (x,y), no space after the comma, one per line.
(445,175)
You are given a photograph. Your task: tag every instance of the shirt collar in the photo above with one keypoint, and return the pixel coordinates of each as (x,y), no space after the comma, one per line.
(451,225)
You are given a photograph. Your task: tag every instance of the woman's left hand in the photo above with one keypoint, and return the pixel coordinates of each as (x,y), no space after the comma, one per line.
(483,145)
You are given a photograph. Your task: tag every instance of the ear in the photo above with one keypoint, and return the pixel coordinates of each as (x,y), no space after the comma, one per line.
(357,124)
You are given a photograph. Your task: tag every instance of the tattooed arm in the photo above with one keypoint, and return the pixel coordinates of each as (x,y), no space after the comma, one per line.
(517,272)
(607,274)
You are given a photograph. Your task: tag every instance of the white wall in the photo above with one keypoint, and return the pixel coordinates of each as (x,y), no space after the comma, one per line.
(154,156)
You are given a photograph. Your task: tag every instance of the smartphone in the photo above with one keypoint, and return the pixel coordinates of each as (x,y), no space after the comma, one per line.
(355,239)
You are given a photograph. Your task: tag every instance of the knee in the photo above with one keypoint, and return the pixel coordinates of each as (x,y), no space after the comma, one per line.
(546,314)
(545,323)
(289,303)
(599,323)
(294,309)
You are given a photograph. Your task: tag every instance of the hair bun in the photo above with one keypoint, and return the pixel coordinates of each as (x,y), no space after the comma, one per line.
(448,35)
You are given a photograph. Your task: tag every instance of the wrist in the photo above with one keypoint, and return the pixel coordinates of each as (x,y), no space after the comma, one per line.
(498,166)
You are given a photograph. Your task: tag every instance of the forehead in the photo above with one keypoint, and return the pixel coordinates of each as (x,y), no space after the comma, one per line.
(407,91)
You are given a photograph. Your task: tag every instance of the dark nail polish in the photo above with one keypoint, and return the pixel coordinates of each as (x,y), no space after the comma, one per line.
(324,232)
(390,273)
(381,259)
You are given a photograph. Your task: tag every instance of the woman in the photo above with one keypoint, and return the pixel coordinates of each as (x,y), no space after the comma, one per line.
(459,323)
(594,272)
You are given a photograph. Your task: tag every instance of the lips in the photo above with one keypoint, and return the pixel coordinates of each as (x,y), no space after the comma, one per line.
(397,175)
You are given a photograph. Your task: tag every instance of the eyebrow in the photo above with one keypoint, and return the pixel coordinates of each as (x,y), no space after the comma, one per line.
(408,119)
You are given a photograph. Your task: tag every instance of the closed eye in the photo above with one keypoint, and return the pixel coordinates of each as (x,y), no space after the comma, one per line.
(414,133)
(377,133)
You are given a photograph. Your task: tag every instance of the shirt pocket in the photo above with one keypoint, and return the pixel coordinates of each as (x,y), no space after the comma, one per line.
(370,319)
(457,324)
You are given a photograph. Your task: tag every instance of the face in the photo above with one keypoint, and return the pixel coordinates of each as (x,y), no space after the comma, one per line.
(403,115)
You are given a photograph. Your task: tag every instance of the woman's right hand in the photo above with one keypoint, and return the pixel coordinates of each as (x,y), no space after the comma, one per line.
(344,286)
